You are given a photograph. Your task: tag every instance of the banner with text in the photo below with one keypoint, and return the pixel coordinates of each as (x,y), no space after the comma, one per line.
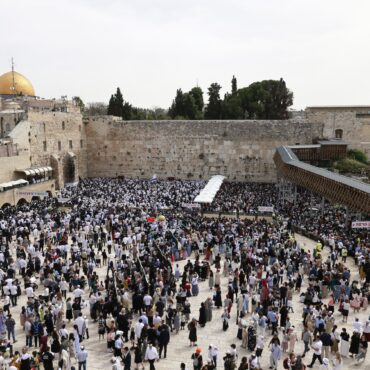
(32,193)
(266,209)
(361,225)
(191,205)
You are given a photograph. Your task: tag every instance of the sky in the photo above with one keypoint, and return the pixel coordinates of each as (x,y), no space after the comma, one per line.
(150,48)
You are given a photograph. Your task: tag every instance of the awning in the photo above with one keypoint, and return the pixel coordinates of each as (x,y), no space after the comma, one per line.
(209,192)
(36,171)
(14,183)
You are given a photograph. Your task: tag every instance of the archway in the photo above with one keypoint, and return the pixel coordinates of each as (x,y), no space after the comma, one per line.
(21,202)
(69,168)
(34,198)
(6,205)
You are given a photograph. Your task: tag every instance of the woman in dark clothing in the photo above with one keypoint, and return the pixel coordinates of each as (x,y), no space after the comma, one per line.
(138,357)
(355,344)
(217,298)
(252,338)
(298,283)
(283,316)
(243,364)
(202,315)
(193,332)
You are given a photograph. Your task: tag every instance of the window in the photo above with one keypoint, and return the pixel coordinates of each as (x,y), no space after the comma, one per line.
(59,145)
(339,133)
(70,144)
(44,126)
(79,128)
(45,146)
(7,127)
(81,143)
(63,125)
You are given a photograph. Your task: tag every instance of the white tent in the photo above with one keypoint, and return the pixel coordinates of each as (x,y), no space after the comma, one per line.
(209,192)
(12,184)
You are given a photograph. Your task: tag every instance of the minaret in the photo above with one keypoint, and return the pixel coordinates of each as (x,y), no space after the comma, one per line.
(13,85)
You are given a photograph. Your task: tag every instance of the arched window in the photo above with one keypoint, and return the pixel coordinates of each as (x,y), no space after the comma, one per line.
(339,133)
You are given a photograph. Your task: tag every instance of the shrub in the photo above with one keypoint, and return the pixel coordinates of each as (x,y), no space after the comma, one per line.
(349,165)
(358,155)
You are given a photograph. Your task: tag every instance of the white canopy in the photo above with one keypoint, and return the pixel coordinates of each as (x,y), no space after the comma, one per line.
(11,184)
(36,171)
(209,192)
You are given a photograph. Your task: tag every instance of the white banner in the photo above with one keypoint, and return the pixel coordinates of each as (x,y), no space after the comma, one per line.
(361,225)
(63,200)
(191,205)
(266,209)
(32,193)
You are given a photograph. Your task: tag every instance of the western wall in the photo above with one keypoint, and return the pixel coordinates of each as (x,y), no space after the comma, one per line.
(239,150)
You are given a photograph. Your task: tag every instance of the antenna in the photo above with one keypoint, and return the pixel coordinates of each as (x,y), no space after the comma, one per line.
(13,79)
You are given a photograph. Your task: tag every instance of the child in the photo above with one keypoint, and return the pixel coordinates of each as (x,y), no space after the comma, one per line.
(132,336)
(183,322)
(285,341)
(177,272)
(86,327)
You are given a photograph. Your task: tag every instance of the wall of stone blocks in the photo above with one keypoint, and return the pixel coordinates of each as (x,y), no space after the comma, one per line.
(240,150)
(356,130)
(9,164)
(47,130)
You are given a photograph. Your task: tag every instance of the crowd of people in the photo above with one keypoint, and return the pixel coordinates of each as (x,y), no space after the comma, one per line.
(130,262)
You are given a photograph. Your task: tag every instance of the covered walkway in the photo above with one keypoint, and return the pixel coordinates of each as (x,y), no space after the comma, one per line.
(332,186)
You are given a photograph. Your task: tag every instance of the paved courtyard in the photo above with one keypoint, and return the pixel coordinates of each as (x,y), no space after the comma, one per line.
(179,350)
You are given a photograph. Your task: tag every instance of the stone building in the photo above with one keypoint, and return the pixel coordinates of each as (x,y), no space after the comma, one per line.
(48,143)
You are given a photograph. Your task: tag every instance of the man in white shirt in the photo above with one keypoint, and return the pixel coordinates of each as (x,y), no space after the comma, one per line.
(78,292)
(317,348)
(147,300)
(80,322)
(357,325)
(138,329)
(81,358)
(29,292)
(151,355)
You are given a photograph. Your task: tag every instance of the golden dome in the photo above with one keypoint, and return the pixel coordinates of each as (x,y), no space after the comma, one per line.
(21,85)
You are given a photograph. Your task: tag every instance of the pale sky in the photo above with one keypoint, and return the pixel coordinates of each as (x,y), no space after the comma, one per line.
(150,48)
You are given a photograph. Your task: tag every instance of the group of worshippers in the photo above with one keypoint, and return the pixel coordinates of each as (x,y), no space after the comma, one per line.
(110,263)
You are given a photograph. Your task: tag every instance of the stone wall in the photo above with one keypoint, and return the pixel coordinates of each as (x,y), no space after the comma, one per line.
(13,196)
(9,164)
(240,150)
(61,135)
(354,125)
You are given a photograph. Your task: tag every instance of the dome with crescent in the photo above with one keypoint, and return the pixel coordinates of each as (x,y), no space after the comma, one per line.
(14,83)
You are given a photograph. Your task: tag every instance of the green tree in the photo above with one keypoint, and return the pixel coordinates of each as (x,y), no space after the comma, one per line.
(234,86)
(78,101)
(118,107)
(214,107)
(178,105)
(190,107)
(268,99)
(197,94)
(96,109)
(231,107)
(127,111)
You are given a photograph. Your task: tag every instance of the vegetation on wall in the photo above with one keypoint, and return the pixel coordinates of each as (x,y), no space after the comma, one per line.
(356,162)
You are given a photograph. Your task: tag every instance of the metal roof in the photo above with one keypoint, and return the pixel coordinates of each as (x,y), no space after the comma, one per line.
(290,158)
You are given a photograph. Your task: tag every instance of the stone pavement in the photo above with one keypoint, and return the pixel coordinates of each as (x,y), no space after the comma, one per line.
(179,350)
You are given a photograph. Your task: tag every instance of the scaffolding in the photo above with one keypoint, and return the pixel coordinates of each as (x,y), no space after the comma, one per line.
(287,190)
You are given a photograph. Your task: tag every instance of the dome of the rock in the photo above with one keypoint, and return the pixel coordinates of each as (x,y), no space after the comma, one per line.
(13,83)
